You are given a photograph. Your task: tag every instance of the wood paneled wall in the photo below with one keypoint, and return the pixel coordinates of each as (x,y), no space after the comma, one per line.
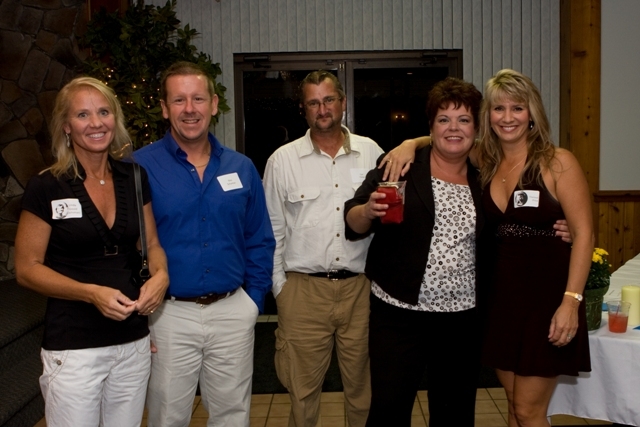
(580,87)
(618,215)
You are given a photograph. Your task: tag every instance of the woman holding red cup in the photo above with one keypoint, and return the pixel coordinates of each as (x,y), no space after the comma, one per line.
(530,337)
(423,270)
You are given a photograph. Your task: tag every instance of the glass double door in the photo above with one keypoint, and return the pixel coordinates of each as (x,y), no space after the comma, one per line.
(386,95)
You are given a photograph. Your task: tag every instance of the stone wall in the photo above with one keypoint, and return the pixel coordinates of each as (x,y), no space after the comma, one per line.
(38,55)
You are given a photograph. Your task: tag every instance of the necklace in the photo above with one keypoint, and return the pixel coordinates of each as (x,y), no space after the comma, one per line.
(101,181)
(204,164)
(504,178)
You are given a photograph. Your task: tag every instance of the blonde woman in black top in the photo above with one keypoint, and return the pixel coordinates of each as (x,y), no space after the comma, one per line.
(77,244)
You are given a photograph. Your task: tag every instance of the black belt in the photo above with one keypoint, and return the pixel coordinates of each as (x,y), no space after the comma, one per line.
(335,274)
(204,299)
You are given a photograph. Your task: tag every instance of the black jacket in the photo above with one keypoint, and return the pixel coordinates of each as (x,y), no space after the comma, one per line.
(398,253)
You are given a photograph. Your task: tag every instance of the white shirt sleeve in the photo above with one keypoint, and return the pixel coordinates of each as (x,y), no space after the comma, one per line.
(275,196)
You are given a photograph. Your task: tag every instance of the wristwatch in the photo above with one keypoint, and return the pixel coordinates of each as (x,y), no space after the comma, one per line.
(575,295)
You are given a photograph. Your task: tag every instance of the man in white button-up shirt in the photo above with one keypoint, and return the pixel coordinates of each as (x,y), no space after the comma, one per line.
(321,292)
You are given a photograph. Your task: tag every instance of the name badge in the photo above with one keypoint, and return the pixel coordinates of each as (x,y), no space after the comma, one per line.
(66,208)
(358,175)
(526,199)
(230,181)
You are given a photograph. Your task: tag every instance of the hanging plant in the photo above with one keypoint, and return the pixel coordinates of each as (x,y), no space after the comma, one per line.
(129,54)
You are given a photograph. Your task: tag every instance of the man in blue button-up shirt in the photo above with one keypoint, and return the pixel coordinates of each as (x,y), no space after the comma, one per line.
(212,221)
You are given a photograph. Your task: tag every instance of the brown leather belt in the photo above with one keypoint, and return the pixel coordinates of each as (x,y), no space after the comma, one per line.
(204,299)
(335,274)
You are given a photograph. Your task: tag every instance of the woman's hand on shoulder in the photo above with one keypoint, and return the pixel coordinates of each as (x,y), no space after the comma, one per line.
(396,163)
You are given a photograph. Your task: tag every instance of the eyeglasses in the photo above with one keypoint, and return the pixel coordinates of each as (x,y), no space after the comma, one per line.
(327,102)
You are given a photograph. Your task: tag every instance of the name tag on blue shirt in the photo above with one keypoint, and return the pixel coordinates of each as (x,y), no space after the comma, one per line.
(230,181)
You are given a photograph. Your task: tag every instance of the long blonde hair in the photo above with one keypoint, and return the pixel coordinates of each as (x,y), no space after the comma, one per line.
(509,84)
(66,160)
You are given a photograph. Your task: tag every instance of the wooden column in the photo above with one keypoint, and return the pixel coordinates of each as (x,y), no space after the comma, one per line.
(580,86)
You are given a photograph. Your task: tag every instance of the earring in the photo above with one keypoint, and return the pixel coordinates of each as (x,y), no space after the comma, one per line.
(68,140)
(531,124)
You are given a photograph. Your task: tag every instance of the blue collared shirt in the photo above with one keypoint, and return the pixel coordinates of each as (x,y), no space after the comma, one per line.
(216,233)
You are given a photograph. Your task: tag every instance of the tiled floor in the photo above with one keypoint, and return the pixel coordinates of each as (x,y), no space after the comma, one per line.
(269,410)
(272,410)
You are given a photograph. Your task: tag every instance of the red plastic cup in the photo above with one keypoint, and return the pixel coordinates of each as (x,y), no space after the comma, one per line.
(394,192)
(618,315)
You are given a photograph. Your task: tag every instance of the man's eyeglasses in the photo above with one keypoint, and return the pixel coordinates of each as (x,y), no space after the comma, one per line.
(327,102)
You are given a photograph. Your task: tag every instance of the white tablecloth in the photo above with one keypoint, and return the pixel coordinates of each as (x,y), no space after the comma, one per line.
(611,391)
(628,274)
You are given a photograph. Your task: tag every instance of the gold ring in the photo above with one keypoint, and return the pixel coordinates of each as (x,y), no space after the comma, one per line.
(151,312)
(389,161)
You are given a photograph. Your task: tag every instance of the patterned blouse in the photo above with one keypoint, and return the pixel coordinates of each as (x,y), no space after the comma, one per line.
(449,280)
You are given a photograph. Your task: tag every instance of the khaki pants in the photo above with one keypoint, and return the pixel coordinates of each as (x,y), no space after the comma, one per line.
(313,313)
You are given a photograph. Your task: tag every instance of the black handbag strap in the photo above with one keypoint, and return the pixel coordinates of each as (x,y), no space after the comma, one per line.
(144,270)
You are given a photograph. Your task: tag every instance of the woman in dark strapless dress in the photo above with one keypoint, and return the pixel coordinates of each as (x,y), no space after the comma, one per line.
(527,287)
(536,324)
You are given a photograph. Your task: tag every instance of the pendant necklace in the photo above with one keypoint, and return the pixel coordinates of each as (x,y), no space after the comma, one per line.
(101,181)
(504,178)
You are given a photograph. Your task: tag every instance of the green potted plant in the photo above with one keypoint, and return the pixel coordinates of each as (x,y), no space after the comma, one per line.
(596,287)
(129,53)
